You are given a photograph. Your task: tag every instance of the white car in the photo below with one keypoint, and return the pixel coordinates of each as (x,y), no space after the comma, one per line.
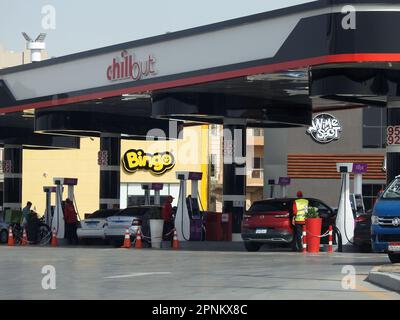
(130,218)
(93,226)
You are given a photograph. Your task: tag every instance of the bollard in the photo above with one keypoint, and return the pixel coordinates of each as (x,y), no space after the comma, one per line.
(304,239)
(330,250)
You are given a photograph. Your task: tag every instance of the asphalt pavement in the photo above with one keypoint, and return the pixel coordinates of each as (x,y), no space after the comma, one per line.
(109,273)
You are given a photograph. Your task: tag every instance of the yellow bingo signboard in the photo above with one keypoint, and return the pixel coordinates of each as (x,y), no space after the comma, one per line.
(157,163)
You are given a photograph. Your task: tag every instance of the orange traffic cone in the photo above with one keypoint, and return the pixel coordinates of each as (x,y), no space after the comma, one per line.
(54,238)
(138,242)
(175,242)
(10,241)
(127,240)
(24,241)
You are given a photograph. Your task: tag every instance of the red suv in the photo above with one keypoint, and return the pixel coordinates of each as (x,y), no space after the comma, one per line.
(269,221)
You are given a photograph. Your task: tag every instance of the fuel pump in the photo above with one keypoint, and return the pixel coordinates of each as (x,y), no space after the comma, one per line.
(58,222)
(157,187)
(345,218)
(188,208)
(48,213)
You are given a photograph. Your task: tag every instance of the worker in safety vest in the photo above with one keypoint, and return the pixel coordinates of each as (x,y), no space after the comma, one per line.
(300,208)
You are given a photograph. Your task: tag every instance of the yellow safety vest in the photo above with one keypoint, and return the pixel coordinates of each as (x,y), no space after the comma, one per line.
(302,208)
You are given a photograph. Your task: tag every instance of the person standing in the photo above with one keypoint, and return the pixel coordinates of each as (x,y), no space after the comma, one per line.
(26,211)
(167,217)
(71,222)
(300,208)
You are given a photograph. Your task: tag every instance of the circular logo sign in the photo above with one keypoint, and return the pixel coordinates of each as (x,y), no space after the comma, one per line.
(396,222)
(325,128)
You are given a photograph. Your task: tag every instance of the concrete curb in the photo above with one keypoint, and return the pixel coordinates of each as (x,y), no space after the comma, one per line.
(385,280)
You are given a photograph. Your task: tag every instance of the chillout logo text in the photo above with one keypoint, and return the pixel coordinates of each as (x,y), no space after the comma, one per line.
(127,66)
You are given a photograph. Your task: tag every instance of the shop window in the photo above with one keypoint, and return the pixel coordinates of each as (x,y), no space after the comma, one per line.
(374,127)
(370,192)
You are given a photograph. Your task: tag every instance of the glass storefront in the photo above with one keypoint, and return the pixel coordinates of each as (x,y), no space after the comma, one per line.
(132,194)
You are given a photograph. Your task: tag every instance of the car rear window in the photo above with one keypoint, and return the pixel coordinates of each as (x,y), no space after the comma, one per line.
(268,206)
(138,211)
(103,214)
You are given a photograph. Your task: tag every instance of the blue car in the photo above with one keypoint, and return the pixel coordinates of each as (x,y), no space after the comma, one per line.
(385,222)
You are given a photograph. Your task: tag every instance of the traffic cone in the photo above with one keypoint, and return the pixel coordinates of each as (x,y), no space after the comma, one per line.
(175,242)
(54,238)
(138,242)
(127,241)
(24,241)
(10,241)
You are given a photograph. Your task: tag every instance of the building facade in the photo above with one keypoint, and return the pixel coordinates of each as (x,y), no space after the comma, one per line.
(311,164)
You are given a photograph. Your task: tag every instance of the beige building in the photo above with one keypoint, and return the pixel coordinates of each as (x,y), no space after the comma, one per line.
(254,166)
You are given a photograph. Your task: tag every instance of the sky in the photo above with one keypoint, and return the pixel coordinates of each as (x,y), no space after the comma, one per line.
(79,25)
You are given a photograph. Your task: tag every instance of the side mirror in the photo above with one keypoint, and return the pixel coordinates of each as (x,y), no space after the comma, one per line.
(380,193)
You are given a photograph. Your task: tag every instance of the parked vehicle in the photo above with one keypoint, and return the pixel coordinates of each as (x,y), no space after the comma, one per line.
(130,218)
(385,220)
(93,226)
(269,221)
(362,231)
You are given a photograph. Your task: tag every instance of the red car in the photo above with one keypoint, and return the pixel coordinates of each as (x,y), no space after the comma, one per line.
(269,221)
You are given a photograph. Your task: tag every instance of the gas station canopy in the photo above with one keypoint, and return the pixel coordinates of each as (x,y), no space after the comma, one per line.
(272,69)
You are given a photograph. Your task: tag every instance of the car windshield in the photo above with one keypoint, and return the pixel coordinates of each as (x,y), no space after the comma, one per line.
(393,191)
(268,206)
(137,211)
(102,214)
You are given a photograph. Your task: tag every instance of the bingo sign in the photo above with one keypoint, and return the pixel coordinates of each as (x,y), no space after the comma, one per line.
(393,135)
(325,128)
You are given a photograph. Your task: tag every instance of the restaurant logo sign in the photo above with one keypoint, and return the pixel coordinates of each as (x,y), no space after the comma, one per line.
(324,128)
(128,66)
(157,163)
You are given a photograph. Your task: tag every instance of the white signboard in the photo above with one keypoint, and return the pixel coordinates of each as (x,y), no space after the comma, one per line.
(325,128)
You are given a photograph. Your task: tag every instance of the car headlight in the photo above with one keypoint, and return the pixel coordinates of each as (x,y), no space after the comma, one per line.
(374,220)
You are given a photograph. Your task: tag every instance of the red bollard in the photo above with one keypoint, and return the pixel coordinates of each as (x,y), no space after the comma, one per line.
(304,239)
(330,250)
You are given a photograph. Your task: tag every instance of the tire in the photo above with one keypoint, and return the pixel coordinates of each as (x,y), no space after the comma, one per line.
(3,236)
(394,257)
(252,246)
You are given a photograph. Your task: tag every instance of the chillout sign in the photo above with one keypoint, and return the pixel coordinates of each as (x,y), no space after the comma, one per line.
(157,163)
(325,128)
(127,66)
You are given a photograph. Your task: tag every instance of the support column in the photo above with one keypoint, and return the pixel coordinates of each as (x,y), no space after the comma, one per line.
(110,178)
(393,151)
(12,167)
(234,183)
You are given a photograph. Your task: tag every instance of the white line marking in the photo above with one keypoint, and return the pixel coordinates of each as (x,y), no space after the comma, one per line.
(137,274)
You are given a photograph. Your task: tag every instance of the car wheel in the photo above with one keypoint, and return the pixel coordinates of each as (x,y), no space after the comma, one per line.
(394,257)
(3,236)
(252,246)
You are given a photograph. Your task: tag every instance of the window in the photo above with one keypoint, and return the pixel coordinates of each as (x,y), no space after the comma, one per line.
(213,162)
(258,132)
(257,168)
(370,192)
(374,127)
